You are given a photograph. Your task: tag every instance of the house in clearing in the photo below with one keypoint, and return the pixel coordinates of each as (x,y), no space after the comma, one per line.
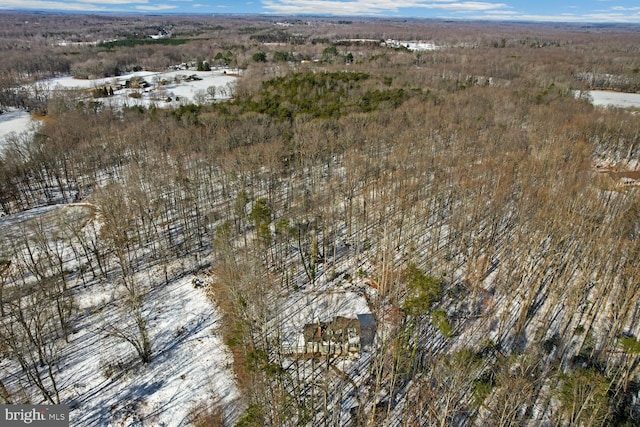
(336,323)
(340,336)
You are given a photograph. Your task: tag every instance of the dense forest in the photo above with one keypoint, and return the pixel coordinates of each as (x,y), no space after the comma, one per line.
(489,216)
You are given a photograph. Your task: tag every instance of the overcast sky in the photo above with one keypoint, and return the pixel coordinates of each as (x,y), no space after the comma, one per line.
(599,11)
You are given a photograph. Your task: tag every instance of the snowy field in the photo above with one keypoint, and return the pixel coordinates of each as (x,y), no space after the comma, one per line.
(191,365)
(607,98)
(412,45)
(165,89)
(14,123)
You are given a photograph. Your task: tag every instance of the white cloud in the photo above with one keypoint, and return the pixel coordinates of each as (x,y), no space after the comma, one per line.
(625,8)
(73,6)
(156,7)
(465,6)
(54,5)
(358,7)
(488,10)
(571,18)
(111,2)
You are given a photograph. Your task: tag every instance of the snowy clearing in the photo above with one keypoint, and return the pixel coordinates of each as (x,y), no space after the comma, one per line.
(98,374)
(50,219)
(14,123)
(165,89)
(308,308)
(190,365)
(160,89)
(607,98)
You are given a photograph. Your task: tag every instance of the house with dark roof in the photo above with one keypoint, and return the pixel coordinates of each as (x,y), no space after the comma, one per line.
(340,336)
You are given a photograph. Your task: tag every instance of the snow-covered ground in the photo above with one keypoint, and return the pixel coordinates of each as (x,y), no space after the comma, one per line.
(99,375)
(607,98)
(106,385)
(314,307)
(50,219)
(413,45)
(421,46)
(15,123)
(165,89)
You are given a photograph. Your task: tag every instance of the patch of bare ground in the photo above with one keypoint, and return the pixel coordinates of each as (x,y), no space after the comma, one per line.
(43,118)
(634,175)
(621,177)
